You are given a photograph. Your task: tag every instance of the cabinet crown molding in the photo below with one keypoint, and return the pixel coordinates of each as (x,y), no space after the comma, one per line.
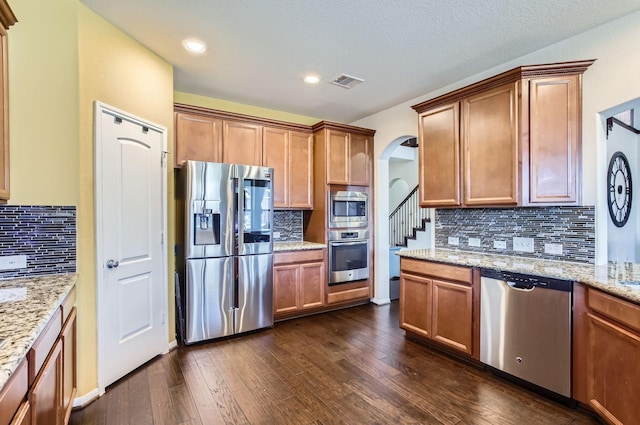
(515,74)
(7,18)
(342,127)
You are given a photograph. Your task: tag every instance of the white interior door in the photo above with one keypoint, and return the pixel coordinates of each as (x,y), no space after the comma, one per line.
(130,226)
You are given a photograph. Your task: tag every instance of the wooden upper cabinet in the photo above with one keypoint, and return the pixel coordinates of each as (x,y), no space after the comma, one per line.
(359,160)
(7,19)
(439,156)
(490,147)
(519,140)
(242,143)
(275,154)
(337,156)
(198,138)
(300,170)
(345,153)
(554,135)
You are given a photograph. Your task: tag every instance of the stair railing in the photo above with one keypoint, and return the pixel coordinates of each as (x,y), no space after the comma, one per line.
(407,217)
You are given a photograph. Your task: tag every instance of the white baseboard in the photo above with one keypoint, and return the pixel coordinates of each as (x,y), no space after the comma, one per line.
(172,345)
(381,301)
(80,402)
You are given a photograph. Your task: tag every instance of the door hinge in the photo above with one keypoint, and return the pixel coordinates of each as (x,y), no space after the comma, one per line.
(162,238)
(163,158)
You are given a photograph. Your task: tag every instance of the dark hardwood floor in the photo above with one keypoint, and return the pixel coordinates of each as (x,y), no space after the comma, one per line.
(351,366)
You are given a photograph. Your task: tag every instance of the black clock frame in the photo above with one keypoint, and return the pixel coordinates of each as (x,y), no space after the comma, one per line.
(619,164)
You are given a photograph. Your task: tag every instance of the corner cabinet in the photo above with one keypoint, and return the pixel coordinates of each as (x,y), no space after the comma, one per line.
(437,305)
(513,139)
(7,19)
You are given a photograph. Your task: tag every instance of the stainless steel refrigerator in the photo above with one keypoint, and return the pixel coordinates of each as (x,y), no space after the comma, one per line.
(227,283)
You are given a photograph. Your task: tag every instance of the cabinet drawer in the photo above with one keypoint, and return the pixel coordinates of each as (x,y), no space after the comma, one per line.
(13,393)
(68,304)
(442,271)
(43,344)
(623,311)
(305,256)
(350,294)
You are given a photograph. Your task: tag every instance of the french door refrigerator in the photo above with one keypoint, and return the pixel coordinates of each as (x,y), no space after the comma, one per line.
(228,246)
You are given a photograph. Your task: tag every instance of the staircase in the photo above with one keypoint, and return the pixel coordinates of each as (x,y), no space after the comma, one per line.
(408,224)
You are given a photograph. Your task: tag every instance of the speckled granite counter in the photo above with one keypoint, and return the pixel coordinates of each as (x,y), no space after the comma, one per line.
(296,246)
(26,306)
(611,278)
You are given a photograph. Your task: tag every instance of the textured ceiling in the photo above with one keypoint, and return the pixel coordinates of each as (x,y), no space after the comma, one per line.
(258,50)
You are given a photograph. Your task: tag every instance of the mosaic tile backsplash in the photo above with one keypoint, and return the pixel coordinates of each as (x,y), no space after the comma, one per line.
(289,224)
(573,227)
(45,234)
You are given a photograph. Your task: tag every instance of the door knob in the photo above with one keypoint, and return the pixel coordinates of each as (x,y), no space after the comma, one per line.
(112,264)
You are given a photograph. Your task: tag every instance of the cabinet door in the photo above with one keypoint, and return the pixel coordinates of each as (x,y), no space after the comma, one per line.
(490,147)
(337,154)
(554,137)
(300,170)
(198,138)
(276,154)
(439,157)
(241,143)
(415,304)
(69,385)
(23,415)
(46,393)
(312,282)
(452,315)
(359,160)
(613,371)
(285,288)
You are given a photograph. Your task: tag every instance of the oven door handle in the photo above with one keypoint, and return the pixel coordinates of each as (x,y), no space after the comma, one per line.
(348,243)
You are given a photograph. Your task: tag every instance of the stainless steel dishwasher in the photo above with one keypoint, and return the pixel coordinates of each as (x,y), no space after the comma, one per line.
(525,328)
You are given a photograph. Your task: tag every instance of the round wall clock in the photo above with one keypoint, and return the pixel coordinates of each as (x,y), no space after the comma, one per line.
(619,183)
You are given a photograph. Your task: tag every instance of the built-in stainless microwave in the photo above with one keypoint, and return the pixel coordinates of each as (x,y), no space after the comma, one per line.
(348,209)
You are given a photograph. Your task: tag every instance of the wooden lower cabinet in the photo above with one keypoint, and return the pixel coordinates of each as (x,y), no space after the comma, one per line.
(23,415)
(69,385)
(613,358)
(437,303)
(299,281)
(45,395)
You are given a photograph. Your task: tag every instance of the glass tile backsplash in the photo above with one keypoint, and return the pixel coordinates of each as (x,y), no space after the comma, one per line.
(45,234)
(288,224)
(571,227)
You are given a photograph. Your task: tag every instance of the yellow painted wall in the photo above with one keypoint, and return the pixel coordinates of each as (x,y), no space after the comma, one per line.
(239,108)
(43,103)
(118,71)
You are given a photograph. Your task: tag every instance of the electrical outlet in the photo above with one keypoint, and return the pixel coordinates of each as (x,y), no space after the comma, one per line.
(276,235)
(453,240)
(11,262)
(474,241)
(500,244)
(523,244)
(553,248)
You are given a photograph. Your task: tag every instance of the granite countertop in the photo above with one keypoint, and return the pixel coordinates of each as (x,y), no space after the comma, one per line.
(26,306)
(296,246)
(616,278)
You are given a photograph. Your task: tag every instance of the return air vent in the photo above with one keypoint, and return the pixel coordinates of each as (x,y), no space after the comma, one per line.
(346,81)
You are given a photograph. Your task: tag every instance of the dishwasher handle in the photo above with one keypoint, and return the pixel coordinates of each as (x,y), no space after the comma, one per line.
(521,286)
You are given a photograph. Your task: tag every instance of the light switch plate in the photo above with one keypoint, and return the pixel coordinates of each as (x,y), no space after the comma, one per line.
(454,240)
(474,241)
(523,244)
(276,235)
(500,244)
(12,262)
(553,248)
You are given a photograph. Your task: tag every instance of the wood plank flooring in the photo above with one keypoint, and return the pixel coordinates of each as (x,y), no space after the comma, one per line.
(351,366)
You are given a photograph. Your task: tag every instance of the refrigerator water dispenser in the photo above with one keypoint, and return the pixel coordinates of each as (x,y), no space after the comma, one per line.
(206,228)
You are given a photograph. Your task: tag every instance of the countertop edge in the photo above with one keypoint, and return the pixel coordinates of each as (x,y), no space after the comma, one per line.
(297,246)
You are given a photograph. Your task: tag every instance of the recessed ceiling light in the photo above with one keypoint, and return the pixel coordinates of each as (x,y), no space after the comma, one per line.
(194,45)
(311,79)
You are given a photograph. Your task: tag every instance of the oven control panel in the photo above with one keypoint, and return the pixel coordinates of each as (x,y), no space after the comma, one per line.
(348,235)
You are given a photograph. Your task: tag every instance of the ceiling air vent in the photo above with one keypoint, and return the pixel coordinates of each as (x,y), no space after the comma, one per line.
(346,81)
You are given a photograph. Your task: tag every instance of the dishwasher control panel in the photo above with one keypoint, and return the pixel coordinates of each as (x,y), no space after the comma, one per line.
(527,281)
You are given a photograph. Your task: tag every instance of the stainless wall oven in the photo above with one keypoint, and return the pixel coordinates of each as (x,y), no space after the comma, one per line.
(348,209)
(348,256)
